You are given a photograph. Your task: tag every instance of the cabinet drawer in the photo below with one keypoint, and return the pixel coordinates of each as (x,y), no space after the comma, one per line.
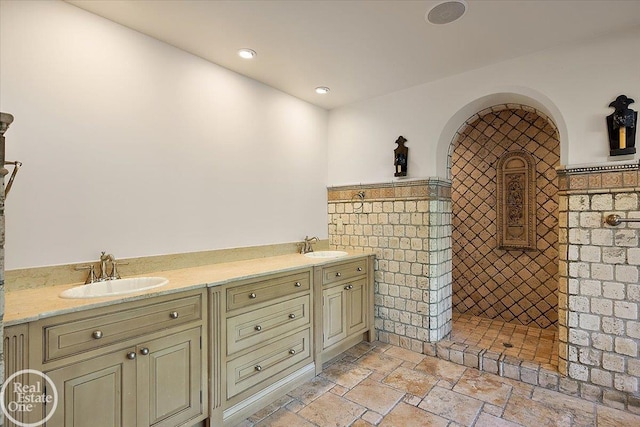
(253,368)
(255,327)
(73,337)
(267,289)
(347,270)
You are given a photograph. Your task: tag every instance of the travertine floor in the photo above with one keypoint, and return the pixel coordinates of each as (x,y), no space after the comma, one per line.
(524,342)
(380,384)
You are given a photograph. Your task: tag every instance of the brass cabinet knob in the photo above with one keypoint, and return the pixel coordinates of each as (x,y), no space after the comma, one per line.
(292,316)
(252,295)
(144,351)
(131,355)
(292,351)
(348,287)
(359,269)
(174,315)
(338,274)
(258,368)
(258,328)
(298,284)
(97,334)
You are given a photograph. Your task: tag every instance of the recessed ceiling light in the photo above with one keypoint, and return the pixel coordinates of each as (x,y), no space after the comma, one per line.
(247,53)
(446,12)
(322,90)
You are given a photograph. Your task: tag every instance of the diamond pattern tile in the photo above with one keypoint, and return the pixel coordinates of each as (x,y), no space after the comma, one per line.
(514,286)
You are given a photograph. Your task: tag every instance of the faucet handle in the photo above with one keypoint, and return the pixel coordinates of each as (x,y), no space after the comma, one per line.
(114,271)
(92,273)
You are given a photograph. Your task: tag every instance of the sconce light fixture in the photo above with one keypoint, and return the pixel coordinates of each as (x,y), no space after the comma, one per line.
(622,127)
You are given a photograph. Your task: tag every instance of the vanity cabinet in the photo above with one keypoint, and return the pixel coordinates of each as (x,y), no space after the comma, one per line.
(345,290)
(141,363)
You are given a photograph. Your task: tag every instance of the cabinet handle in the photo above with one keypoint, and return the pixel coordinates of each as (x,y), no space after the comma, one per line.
(258,328)
(298,284)
(174,315)
(338,274)
(359,268)
(97,334)
(292,351)
(258,368)
(252,295)
(292,316)
(348,287)
(144,351)
(131,355)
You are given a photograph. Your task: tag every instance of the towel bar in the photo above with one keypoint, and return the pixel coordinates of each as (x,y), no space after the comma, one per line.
(614,219)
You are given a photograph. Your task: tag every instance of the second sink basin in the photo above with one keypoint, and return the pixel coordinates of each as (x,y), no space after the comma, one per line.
(115,287)
(326,254)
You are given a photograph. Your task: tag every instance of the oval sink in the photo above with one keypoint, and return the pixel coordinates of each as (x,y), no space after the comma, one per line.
(326,254)
(110,288)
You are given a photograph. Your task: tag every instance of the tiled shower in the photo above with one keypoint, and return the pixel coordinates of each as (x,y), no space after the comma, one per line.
(513,285)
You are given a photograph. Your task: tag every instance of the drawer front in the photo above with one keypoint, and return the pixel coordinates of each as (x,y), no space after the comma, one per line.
(253,368)
(255,327)
(67,338)
(347,270)
(267,289)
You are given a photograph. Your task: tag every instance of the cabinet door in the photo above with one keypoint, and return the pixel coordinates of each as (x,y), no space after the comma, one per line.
(170,379)
(356,306)
(334,313)
(100,392)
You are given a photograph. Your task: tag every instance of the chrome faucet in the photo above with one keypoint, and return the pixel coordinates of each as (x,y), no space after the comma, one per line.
(306,245)
(103,275)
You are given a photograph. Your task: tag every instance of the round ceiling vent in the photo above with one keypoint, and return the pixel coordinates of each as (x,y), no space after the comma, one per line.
(446,12)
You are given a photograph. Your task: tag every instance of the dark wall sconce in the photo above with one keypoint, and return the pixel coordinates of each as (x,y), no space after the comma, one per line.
(401,157)
(622,127)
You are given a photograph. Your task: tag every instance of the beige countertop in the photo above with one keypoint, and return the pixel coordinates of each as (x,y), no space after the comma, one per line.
(28,305)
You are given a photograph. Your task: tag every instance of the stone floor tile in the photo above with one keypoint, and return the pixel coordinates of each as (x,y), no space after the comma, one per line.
(331,410)
(360,349)
(270,409)
(375,396)
(404,415)
(441,369)
(379,362)
(488,420)
(346,374)
(490,409)
(284,418)
(294,406)
(451,405)
(583,412)
(533,413)
(485,387)
(410,381)
(372,417)
(404,354)
(412,400)
(610,417)
(358,423)
(311,390)
(339,390)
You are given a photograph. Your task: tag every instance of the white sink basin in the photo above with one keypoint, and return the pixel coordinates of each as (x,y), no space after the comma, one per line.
(326,254)
(110,288)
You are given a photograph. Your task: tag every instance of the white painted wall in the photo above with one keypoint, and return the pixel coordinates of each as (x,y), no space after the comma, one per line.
(573,85)
(137,148)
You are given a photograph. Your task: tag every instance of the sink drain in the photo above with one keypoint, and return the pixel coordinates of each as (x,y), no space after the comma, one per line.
(507,344)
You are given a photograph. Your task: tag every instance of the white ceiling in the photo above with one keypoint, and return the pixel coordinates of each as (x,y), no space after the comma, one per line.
(361,49)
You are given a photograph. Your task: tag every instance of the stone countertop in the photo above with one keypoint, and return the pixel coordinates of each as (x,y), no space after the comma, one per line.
(29,305)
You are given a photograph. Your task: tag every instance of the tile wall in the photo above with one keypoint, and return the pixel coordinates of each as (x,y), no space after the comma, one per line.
(599,286)
(512,285)
(407,225)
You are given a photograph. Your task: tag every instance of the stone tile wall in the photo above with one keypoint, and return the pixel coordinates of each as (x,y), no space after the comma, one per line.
(407,225)
(599,286)
(512,285)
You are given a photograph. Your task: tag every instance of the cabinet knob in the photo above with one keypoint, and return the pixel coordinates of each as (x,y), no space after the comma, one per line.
(292,316)
(97,334)
(174,315)
(338,274)
(258,328)
(131,355)
(292,351)
(359,269)
(298,284)
(144,351)
(258,368)
(348,287)
(252,295)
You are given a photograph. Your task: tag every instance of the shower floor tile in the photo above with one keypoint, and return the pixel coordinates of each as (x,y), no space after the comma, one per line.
(524,342)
